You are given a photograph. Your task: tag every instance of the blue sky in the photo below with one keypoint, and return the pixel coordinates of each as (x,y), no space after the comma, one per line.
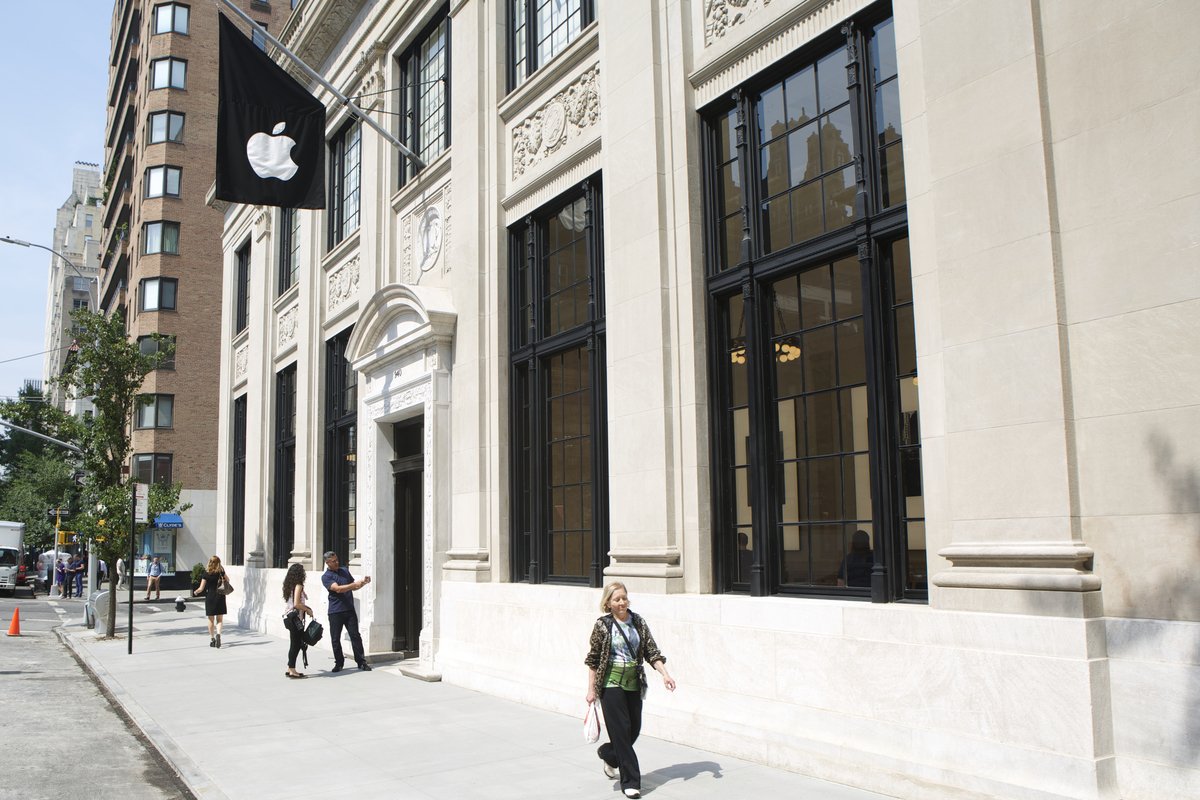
(53,77)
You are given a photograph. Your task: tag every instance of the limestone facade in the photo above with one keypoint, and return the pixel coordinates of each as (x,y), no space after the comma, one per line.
(1055,302)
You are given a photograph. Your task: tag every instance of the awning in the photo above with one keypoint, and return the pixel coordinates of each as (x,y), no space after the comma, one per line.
(168,521)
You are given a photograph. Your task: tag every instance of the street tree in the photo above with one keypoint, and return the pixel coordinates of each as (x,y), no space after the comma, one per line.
(111,369)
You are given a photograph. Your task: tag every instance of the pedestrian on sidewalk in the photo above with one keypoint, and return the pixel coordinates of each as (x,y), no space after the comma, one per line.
(341,586)
(214,598)
(297,600)
(60,577)
(620,641)
(80,568)
(120,573)
(154,579)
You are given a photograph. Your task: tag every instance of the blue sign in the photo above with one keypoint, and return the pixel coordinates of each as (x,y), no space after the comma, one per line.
(168,521)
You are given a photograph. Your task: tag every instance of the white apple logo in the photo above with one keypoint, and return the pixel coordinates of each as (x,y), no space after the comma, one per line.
(271,156)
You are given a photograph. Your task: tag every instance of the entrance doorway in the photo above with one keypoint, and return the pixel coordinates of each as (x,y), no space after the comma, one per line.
(408,479)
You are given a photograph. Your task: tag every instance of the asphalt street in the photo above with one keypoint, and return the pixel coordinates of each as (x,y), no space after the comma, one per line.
(63,737)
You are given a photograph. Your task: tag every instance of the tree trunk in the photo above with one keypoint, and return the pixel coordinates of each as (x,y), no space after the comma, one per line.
(112,605)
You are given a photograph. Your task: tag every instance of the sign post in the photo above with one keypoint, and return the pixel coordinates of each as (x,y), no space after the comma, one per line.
(139,510)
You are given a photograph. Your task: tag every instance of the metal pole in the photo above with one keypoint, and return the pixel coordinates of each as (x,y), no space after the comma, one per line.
(93,283)
(310,72)
(50,439)
(129,566)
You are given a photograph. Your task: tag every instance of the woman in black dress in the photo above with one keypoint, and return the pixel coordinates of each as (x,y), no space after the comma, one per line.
(214,600)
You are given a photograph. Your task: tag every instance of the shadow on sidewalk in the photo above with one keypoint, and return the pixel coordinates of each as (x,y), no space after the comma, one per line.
(683,772)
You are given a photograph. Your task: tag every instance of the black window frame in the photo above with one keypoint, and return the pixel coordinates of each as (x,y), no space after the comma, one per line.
(289,250)
(158,402)
(537,523)
(171,76)
(743,273)
(237,483)
(162,237)
(241,289)
(344,148)
(167,170)
(341,447)
(415,88)
(523,57)
(160,466)
(162,282)
(170,116)
(174,8)
(154,339)
(284,496)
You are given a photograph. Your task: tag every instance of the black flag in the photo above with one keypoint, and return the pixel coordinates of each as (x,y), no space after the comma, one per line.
(270,130)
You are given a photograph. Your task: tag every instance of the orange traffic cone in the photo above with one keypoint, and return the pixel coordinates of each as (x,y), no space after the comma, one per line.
(15,628)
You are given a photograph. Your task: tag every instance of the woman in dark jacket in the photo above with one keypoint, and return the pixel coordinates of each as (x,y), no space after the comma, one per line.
(620,642)
(214,599)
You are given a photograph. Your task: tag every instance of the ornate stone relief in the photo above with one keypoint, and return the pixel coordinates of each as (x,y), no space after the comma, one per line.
(287,327)
(566,114)
(426,237)
(262,222)
(343,284)
(721,15)
(241,360)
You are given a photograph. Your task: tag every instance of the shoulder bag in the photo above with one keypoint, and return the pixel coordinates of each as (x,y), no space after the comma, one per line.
(224,587)
(641,670)
(313,633)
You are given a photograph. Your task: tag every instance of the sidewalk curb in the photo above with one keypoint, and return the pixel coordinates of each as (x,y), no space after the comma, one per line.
(197,781)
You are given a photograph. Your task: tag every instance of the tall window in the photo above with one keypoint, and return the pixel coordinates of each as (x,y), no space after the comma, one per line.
(158,294)
(152,467)
(163,181)
(237,522)
(541,29)
(168,73)
(817,486)
(156,411)
(170,18)
(241,300)
(560,496)
(151,345)
(284,532)
(160,237)
(341,456)
(344,164)
(289,248)
(424,101)
(165,126)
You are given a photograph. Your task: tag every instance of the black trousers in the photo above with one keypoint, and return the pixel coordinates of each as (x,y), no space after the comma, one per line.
(623,719)
(349,621)
(297,641)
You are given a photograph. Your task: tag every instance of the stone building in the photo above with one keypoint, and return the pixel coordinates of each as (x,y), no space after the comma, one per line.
(71,283)
(158,260)
(857,339)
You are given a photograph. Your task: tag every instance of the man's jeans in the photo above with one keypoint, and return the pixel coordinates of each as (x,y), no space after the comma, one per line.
(349,621)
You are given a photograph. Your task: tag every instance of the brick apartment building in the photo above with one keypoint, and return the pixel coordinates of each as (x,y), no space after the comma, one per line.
(160,259)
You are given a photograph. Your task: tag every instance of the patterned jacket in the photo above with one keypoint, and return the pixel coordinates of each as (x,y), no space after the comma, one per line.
(599,655)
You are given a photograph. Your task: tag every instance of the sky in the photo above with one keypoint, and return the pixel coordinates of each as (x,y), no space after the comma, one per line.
(53,82)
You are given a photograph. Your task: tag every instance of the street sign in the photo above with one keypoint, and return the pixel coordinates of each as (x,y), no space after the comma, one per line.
(141,511)
(79,476)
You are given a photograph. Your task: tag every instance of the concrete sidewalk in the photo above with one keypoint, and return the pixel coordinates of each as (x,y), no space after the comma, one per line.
(234,727)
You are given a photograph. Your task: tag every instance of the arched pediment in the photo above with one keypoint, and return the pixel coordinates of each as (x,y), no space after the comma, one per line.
(398,320)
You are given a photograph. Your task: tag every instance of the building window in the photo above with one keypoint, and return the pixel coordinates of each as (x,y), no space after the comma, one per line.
(79,304)
(341,456)
(165,126)
(161,237)
(241,299)
(285,467)
(816,446)
(559,453)
(344,154)
(289,248)
(152,467)
(541,29)
(237,522)
(156,411)
(158,294)
(81,285)
(163,181)
(170,18)
(168,73)
(152,344)
(425,95)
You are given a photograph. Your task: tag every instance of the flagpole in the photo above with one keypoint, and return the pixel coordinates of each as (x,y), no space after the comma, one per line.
(310,72)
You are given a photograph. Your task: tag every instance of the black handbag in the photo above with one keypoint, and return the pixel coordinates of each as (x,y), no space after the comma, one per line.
(313,633)
(293,622)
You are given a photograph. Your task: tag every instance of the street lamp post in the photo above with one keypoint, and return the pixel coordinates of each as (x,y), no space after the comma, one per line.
(93,283)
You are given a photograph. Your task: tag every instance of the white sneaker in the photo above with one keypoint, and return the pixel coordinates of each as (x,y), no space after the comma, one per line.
(610,772)
(632,793)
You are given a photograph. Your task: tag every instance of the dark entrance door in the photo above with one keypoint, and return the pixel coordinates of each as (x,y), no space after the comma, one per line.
(407,482)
